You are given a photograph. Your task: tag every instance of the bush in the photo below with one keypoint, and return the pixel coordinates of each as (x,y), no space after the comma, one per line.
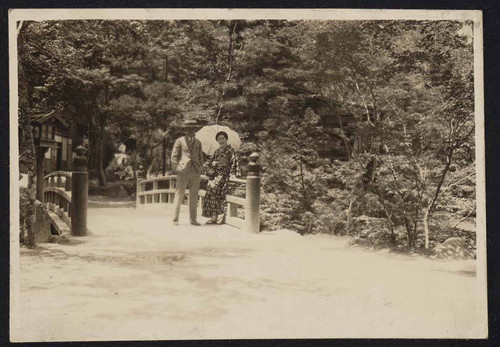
(273,214)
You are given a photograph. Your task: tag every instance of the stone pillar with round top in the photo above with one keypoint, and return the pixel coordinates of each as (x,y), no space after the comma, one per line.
(79,193)
(252,207)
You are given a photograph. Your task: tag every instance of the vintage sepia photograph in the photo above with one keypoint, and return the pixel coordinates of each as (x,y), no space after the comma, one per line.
(246,174)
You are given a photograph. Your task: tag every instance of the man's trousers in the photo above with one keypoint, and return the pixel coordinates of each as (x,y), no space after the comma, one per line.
(183,180)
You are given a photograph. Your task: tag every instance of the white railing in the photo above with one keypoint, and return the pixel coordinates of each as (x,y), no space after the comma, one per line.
(66,194)
(241,212)
(57,194)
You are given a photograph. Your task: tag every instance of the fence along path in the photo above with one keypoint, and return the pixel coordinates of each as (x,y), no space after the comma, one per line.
(160,191)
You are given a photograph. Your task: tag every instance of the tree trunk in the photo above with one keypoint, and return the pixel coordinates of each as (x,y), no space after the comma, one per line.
(40,183)
(393,235)
(163,156)
(31,210)
(426,227)
(349,217)
(347,146)
(101,175)
(30,163)
(97,126)
(230,61)
(28,154)
(306,204)
(391,226)
(409,231)
(166,77)
(388,215)
(434,199)
(102,129)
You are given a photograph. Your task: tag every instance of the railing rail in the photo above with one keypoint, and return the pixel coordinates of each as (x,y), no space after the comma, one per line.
(241,212)
(57,194)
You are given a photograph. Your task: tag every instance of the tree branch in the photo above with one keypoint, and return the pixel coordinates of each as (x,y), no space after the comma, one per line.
(465,218)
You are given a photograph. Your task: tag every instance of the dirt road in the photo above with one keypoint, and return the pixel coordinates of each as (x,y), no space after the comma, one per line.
(138,277)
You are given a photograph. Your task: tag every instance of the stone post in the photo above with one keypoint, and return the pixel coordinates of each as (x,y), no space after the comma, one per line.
(79,193)
(252,206)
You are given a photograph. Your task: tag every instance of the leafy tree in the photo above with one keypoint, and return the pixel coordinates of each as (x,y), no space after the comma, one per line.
(407,77)
(290,155)
(407,84)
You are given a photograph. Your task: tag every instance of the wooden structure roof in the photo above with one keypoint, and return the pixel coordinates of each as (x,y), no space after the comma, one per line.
(40,118)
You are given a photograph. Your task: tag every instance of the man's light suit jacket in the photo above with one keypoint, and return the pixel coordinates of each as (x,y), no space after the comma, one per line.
(187,158)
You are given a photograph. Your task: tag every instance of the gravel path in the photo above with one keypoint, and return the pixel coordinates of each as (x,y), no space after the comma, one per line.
(136,276)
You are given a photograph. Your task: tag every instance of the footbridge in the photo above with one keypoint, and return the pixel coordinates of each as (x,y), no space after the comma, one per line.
(66,196)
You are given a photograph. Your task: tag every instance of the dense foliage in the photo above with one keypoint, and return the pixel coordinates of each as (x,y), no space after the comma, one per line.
(408,86)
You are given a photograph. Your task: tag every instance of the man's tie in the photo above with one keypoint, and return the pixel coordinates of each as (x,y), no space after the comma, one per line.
(190,141)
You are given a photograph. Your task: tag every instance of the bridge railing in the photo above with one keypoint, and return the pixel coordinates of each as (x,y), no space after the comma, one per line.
(57,194)
(66,194)
(160,191)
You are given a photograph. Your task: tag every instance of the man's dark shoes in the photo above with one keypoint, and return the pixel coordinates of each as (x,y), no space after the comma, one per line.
(195,223)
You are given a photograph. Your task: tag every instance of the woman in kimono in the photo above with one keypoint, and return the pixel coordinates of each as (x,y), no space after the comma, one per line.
(225,165)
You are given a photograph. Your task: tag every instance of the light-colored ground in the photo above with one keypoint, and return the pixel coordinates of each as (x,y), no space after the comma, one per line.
(139,277)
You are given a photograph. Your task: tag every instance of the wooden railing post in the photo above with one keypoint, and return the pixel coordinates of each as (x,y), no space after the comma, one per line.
(59,181)
(232,209)
(252,206)
(67,184)
(140,178)
(61,202)
(79,193)
(138,191)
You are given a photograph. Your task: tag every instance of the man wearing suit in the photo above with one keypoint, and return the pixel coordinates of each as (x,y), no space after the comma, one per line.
(187,161)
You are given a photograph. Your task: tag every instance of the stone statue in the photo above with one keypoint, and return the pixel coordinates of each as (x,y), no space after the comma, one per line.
(120,167)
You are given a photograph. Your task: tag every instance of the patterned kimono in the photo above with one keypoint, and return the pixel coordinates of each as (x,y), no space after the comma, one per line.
(215,197)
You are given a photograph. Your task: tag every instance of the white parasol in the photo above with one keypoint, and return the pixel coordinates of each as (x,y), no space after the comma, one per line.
(209,144)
